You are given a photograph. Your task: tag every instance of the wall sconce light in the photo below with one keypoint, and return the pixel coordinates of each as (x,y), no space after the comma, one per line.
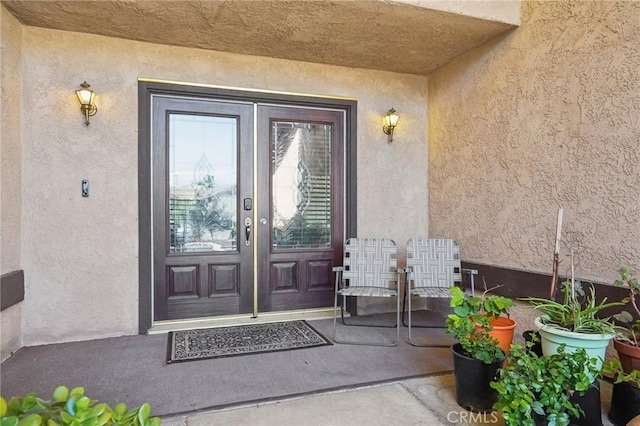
(390,122)
(87,98)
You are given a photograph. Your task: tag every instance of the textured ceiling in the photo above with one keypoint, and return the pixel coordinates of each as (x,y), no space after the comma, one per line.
(370,34)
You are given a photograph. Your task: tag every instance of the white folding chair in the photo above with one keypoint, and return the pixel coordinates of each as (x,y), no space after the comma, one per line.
(433,267)
(369,269)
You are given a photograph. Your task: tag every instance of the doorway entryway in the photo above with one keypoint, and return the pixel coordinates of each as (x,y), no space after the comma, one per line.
(247,205)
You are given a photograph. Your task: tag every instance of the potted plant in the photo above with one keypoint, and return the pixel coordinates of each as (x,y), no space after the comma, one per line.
(574,322)
(537,390)
(477,355)
(627,339)
(625,396)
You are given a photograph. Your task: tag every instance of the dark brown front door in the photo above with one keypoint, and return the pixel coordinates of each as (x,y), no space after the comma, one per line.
(202,265)
(300,234)
(244,223)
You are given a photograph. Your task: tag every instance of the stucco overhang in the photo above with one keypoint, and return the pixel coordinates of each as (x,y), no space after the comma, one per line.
(403,36)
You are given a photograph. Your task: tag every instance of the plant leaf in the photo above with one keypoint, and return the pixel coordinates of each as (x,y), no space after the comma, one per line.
(78,392)
(143,413)
(9,421)
(61,394)
(30,420)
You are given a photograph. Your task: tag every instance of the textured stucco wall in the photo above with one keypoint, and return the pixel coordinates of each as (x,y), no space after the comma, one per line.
(545,117)
(498,10)
(82,253)
(10,134)
(373,34)
(11,169)
(10,330)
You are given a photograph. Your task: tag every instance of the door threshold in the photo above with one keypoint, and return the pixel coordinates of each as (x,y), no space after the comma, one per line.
(160,327)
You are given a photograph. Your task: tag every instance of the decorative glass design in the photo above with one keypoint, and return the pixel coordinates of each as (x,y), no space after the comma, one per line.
(203,174)
(301,185)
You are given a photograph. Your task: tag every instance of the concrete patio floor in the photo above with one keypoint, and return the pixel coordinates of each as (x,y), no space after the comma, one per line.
(422,401)
(428,398)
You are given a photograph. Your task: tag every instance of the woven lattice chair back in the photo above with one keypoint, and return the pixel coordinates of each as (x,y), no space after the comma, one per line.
(370,262)
(434,263)
(369,269)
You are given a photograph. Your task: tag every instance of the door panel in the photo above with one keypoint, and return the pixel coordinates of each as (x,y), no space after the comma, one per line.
(300,231)
(210,258)
(199,185)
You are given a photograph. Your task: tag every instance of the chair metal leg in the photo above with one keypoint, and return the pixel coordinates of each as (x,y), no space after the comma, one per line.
(420,326)
(404,304)
(410,337)
(351,342)
(407,290)
(360,325)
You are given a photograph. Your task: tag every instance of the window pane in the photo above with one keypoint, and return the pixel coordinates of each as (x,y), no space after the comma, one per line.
(202,183)
(301,185)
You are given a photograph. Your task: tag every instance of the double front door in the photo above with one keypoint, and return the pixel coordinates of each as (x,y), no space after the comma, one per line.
(247,206)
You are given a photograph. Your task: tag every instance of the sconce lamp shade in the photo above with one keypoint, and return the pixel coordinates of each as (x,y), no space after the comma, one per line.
(87,97)
(391,119)
(390,122)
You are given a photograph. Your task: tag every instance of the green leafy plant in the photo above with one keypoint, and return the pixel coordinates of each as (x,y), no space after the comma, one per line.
(574,314)
(530,385)
(630,332)
(71,408)
(614,370)
(470,323)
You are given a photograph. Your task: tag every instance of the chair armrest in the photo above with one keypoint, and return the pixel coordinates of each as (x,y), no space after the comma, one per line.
(337,269)
(408,271)
(471,273)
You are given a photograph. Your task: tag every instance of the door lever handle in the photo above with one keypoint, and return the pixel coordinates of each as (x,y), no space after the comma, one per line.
(247,231)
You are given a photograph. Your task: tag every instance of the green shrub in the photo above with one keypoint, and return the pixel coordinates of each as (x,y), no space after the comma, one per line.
(470,323)
(71,408)
(532,385)
(630,333)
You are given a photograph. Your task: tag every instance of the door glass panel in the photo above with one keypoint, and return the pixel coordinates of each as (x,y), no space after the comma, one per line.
(301,185)
(203,179)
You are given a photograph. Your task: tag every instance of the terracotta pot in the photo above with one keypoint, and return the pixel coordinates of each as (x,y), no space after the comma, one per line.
(634,421)
(629,356)
(503,332)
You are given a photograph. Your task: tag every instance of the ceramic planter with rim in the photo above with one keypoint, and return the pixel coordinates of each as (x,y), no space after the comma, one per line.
(552,337)
(629,356)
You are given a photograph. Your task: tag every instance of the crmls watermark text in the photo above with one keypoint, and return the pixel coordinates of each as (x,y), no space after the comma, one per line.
(467,417)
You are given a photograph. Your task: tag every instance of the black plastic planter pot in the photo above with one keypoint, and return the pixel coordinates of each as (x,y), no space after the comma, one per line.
(472,378)
(539,420)
(625,403)
(589,401)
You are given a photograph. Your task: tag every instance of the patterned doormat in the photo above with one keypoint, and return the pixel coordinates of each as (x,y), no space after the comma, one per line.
(207,343)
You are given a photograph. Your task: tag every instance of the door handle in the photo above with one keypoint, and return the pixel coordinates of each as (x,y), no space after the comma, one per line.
(247,231)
